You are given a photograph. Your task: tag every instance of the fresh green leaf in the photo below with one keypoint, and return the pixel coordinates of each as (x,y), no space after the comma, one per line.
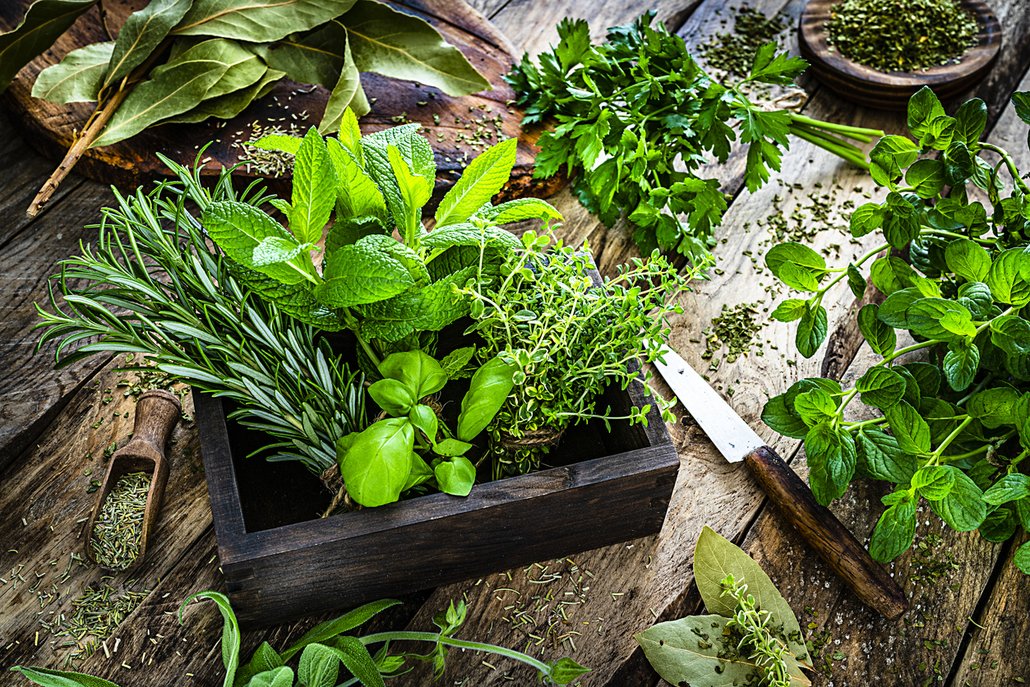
(480,182)
(1009,277)
(396,398)
(968,259)
(314,189)
(934,482)
(1022,558)
(419,372)
(451,448)
(831,456)
(960,364)
(963,508)
(239,229)
(61,678)
(881,387)
(330,629)
(376,464)
(881,458)
(230,631)
(1012,487)
(517,210)
(789,310)
(424,418)
(909,428)
(276,677)
(565,670)
(796,265)
(812,330)
(357,274)
(455,476)
(878,335)
(487,392)
(894,531)
(319,666)
(356,659)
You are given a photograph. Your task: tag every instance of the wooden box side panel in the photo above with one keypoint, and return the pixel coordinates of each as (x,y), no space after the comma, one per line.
(594,509)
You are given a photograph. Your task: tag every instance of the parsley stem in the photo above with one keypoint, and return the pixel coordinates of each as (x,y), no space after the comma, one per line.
(856,132)
(432,637)
(834,146)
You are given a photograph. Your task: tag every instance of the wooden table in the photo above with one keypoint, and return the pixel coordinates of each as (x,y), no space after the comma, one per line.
(970,606)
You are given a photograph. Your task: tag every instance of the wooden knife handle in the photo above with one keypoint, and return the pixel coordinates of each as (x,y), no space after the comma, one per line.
(824,532)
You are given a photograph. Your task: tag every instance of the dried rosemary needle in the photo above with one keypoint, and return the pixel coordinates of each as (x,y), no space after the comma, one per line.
(118,531)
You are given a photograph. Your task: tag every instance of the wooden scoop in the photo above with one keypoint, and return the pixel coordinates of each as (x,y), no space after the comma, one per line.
(157,413)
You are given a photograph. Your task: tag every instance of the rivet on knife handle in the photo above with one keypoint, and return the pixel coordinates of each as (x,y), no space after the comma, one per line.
(824,532)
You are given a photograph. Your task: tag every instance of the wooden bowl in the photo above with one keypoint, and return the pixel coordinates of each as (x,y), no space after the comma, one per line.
(891,90)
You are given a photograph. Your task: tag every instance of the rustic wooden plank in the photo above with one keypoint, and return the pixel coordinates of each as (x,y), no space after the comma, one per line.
(30,388)
(654,575)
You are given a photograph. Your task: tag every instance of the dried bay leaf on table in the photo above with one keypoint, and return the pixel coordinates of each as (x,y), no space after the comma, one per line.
(77,78)
(258,21)
(701,651)
(242,67)
(174,88)
(716,557)
(141,34)
(44,21)
(231,104)
(402,46)
(347,93)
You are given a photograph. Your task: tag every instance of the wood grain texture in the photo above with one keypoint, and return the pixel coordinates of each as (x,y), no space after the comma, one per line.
(825,534)
(51,127)
(891,90)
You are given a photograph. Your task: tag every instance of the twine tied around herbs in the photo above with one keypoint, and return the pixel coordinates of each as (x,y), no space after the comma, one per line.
(545,437)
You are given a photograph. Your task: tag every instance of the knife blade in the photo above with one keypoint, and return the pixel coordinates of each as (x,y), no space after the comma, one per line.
(737,442)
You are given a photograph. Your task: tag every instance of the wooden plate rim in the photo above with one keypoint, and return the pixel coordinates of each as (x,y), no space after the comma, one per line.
(814,39)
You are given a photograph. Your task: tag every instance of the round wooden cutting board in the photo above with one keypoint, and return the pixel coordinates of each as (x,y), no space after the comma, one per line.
(457,128)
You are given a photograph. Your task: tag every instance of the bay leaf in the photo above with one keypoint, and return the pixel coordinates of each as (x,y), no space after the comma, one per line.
(402,46)
(77,77)
(172,89)
(314,57)
(44,21)
(141,34)
(258,21)
(347,93)
(231,104)
(701,651)
(242,67)
(715,557)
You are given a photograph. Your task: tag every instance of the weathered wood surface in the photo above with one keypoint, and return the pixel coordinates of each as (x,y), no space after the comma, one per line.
(970,610)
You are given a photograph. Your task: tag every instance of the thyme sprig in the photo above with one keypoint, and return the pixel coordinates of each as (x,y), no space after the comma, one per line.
(757,642)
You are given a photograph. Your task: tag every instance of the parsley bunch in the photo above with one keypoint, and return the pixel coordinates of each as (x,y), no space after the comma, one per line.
(637,116)
(951,393)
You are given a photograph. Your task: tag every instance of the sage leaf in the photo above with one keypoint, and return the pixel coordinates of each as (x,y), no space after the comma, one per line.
(565,670)
(319,666)
(479,183)
(401,46)
(487,392)
(230,631)
(172,89)
(140,36)
(716,557)
(314,189)
(375,466)
(265,659)
(76,78)
(276,677)
(325,631)
(258,21)
(44,21)
(455,476)
(356,659)
(61,678)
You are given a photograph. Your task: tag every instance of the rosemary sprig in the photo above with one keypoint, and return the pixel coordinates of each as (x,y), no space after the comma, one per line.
(153,285)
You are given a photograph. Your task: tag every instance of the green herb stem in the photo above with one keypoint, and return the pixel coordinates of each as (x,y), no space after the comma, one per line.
(857,133)
(936,455)
(435,638)
(1017,178)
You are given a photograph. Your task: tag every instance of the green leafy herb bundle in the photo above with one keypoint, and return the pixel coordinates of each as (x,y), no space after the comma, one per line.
(750,637)
(567,337)
(902,35)
(329,647)
(636,117)
(185,61)
(951,425)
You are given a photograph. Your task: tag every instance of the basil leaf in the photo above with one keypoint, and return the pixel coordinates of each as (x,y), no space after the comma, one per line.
(376,464)
(487,392)
(393,397)
(416,370)
(455,476)
(451,448)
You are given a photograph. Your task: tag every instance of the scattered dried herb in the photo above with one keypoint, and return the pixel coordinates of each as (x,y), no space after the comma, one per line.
(96,614)
(735,328)
(118,531)
(733,52)
(902,35)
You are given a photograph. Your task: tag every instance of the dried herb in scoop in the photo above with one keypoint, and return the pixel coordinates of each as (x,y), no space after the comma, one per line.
(902,35)
(118,531)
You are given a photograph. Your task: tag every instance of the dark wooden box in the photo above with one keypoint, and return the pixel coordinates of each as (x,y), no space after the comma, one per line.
(281,561)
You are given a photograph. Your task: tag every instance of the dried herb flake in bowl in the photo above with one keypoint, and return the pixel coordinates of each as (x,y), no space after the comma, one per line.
(902,35)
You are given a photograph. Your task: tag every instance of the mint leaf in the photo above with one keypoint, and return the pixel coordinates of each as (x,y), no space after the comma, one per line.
(314,189)
(894,532)
(831,457)
(968,259)
(358,274)
(881,458)
(480,182)
(796,265)
(881,387)
(517,210)
(1012,487)
(811,330)
(909,428)
(960,364)
(934,482)
(963,508)
(239,230)
(879,336)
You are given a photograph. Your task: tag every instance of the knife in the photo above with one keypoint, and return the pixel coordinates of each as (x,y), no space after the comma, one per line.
(737,442)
